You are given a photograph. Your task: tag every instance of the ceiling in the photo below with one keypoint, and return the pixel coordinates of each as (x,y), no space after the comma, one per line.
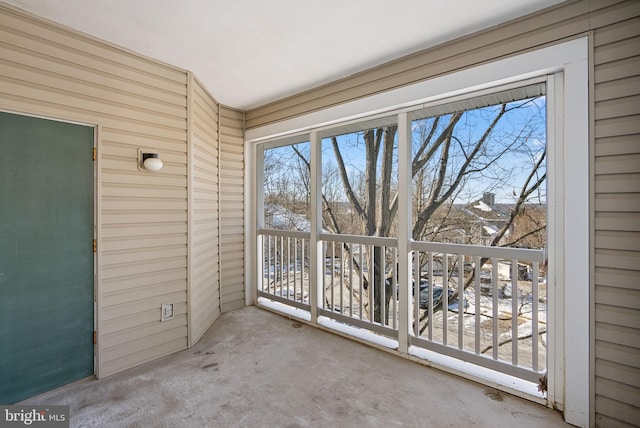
(251,52)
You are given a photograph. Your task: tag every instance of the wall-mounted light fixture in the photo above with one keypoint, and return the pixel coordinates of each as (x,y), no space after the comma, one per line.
(149,160)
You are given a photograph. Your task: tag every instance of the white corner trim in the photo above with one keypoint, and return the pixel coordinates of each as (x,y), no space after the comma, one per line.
(250,221)
(576,238)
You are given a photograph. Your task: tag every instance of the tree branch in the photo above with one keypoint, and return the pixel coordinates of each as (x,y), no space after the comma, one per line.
(435,200)
(345,180)
(417,164)
(428,138)
(386,214)
(520,238)
(371,138)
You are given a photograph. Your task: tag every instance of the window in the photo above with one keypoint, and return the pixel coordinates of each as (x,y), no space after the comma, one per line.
(562,71)
(478,169)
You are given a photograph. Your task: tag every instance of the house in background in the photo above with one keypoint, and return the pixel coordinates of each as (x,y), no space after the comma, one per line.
(487,218)
(174,249)
(483,218)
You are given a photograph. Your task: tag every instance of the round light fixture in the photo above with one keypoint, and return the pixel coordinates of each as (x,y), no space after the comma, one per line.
(152,161)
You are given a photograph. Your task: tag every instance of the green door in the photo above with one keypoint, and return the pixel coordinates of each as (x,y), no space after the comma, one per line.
(46,255)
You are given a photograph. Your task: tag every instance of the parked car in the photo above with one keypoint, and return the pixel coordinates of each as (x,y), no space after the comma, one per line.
(437,296)
(423,284)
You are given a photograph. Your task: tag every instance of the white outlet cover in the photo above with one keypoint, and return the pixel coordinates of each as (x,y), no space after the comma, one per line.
(167,311)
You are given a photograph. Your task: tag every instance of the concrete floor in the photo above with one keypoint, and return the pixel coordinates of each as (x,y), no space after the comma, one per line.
(254,368)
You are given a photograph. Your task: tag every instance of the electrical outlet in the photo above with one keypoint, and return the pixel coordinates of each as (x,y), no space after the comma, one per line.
(167,311)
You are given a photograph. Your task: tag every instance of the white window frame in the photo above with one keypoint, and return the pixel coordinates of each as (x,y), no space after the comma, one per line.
(568,201)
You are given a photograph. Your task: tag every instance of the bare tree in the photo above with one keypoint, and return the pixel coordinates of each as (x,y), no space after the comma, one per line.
(454,155)
(445,158)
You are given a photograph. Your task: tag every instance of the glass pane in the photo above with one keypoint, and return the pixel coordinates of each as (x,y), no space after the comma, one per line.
(286,187)
(473,169)
(479,178)
(360,182)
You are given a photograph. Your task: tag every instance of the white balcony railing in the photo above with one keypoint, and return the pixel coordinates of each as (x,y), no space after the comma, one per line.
(352,292)
(483,305)
(284,263)
(501,322)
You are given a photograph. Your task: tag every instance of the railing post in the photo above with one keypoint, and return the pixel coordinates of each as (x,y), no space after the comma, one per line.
(259,219)
(404,230)
(259,267)
(315,244)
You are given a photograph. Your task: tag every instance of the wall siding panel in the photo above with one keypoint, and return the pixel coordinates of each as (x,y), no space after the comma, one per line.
(617,253)
(615,29)
(232,216)
(204,267)
(53,72)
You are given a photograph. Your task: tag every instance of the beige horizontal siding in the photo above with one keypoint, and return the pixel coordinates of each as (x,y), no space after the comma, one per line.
(232,214)
(620,316)
(604,421)
(137,352)
(611,355)
(613,240)
(626,144)
(204,290)
(617,220)
(619,164)
(617,259)
(628,279)
(622,393)
(51,39)
(621,297)
(146,280)
(625,414)
(50,71)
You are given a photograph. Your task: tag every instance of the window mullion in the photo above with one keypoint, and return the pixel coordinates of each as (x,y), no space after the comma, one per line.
(404,229)
(259,213)
(315,244)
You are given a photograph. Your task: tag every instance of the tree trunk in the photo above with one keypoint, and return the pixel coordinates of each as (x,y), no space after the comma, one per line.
(380,281)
